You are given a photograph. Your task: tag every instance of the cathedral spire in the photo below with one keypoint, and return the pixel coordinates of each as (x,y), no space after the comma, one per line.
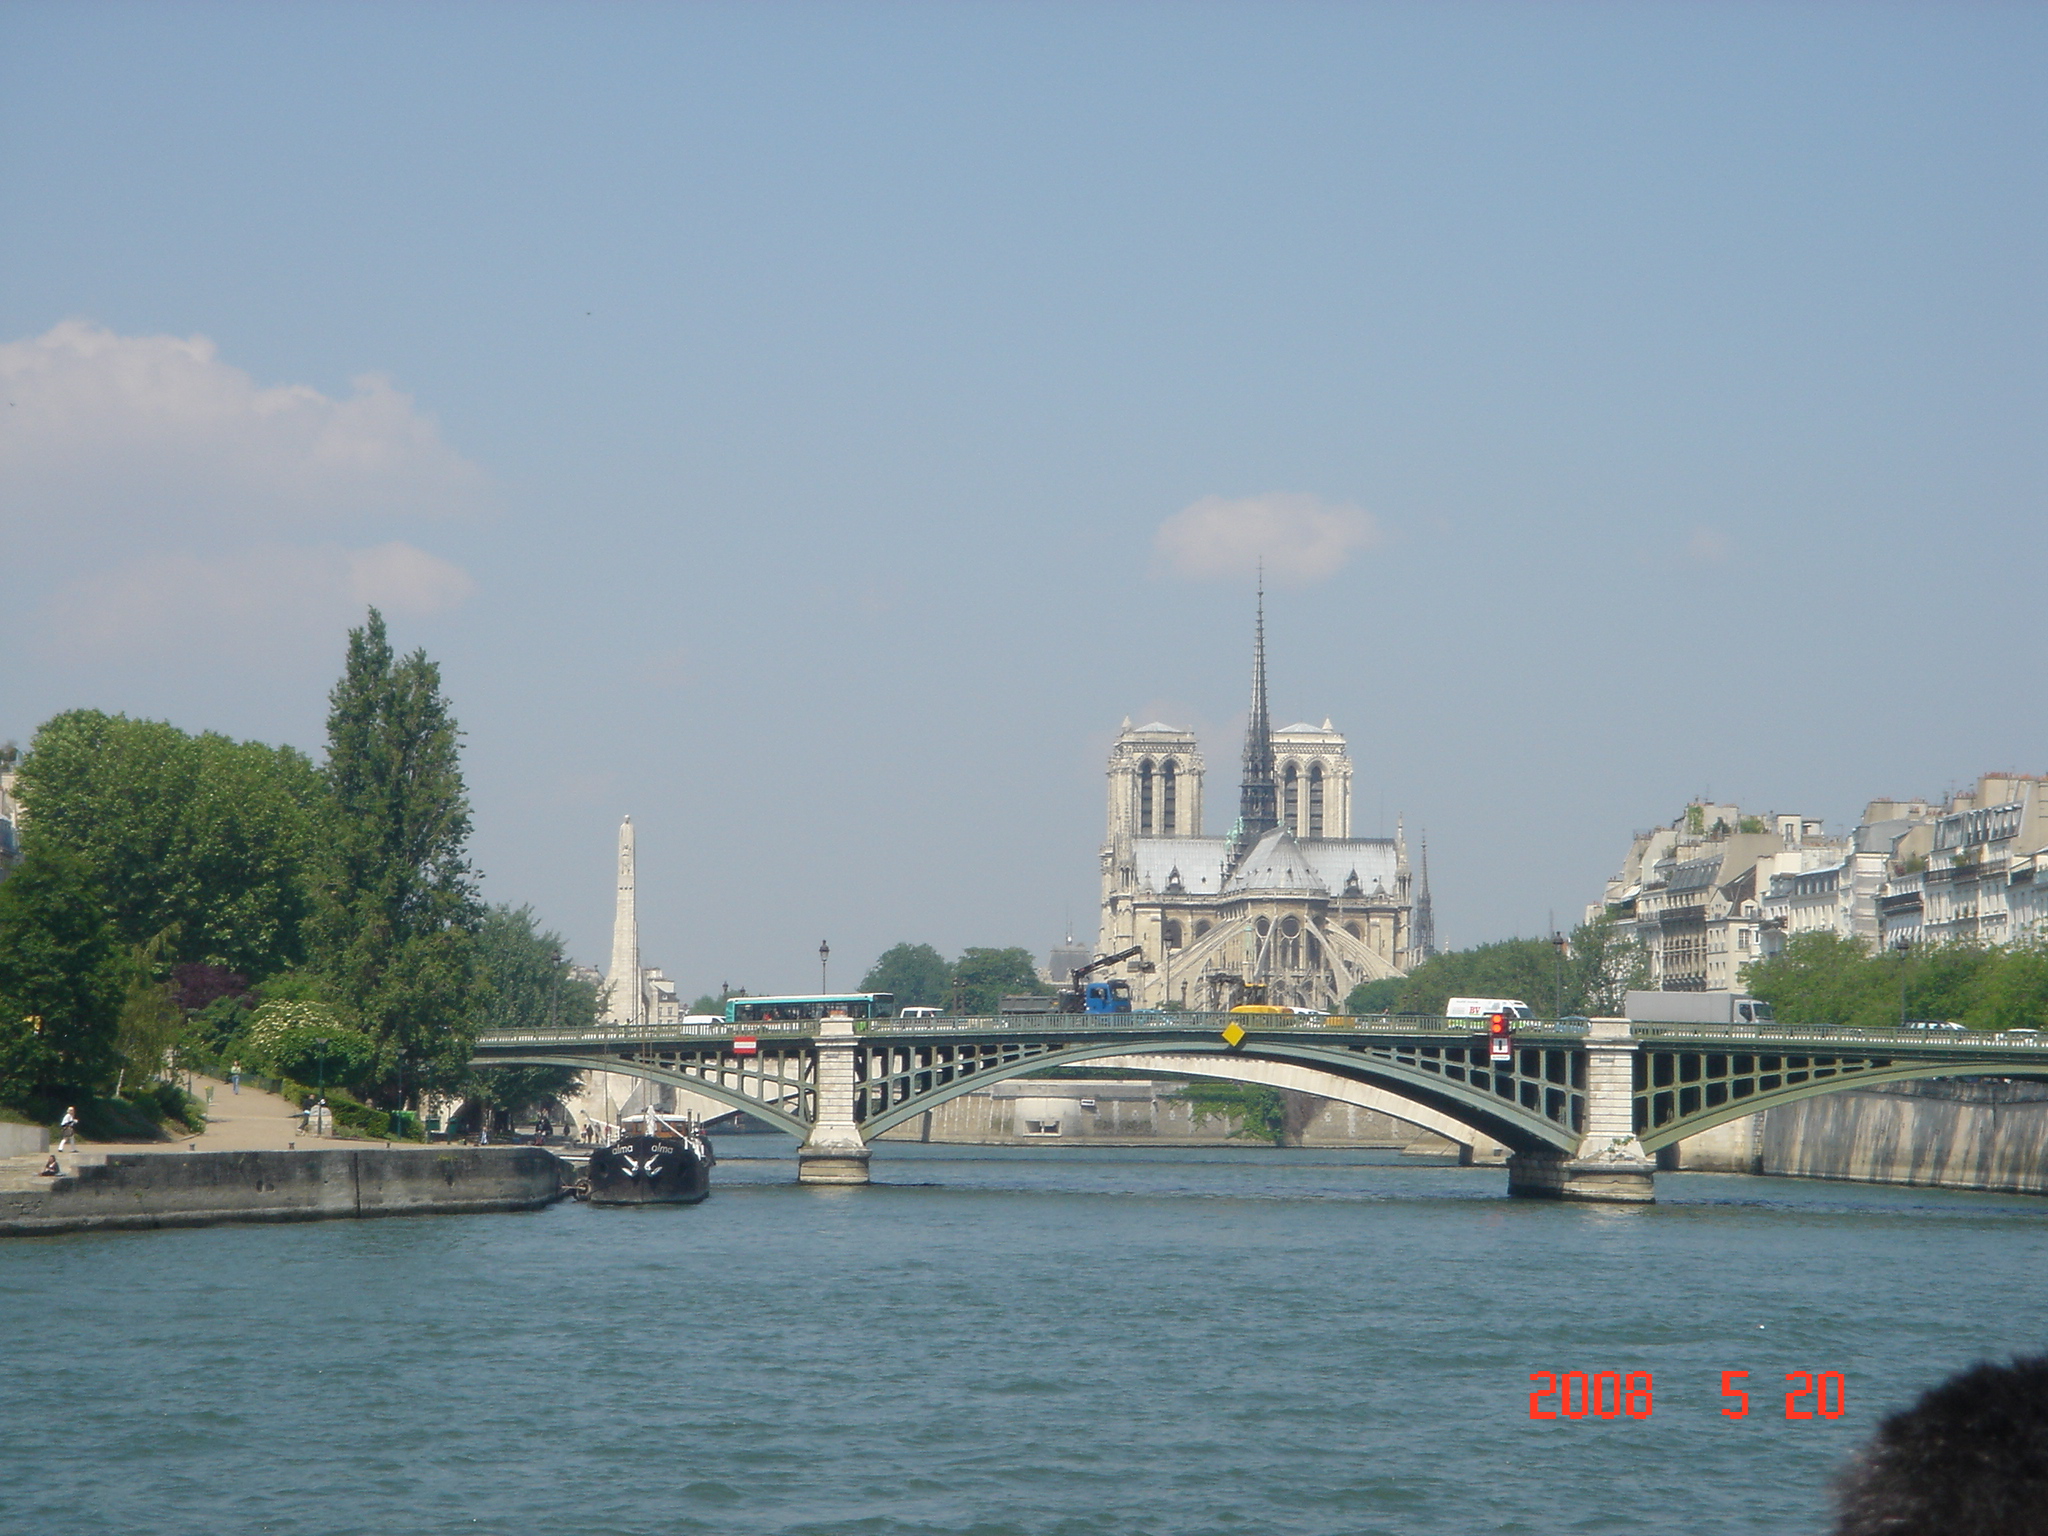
(1423,923)
(1258,803)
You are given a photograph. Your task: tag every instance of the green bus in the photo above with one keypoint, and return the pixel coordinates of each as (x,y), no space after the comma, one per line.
(801,1010)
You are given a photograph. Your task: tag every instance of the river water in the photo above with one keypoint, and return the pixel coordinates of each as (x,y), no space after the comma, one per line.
(1057,1342)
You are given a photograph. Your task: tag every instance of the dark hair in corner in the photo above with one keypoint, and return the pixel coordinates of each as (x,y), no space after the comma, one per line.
(1970,1458)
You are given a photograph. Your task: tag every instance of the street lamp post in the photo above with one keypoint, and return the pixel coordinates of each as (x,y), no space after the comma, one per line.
(1902,947)
(1559,943)
(824,961)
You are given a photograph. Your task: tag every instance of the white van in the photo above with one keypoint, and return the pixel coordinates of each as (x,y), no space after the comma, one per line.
(921,1013)
(1480,1007)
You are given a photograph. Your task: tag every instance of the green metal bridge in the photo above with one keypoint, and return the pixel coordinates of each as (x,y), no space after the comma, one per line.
(1583,1105)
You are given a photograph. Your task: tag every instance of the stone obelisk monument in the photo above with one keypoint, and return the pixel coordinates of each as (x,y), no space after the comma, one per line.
(626,1006)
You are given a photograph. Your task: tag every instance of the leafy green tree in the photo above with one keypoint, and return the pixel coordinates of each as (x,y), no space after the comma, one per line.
(1375,996)
(309,1042)
(709,1004)
(1589,978)
(523,982)
(1825,978)
(200,836)
(1603,968)
(1521,968)
(2014,995)
(984,977)
(150,1021)
(61,976)
(917,974)
(396,907)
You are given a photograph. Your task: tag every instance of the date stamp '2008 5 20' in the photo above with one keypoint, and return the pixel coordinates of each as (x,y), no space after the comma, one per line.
(1615,1395)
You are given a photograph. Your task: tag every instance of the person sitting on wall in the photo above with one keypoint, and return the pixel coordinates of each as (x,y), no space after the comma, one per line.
(1970,1458)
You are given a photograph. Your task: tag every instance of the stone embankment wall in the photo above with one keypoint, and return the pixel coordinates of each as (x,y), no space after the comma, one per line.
(137,1190)
(1958,1134)
(22,1140)
(1953,1133)
(1026,1111)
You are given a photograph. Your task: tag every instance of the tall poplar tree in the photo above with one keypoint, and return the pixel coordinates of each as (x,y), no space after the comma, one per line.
(397,908)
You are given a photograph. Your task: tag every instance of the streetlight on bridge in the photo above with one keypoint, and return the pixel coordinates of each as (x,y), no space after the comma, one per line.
(824,960)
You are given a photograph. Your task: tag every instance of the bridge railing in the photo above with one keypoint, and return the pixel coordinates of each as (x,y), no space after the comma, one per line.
(1966,1039)
(1040,1023)
(1213,1023)
(1303,1027)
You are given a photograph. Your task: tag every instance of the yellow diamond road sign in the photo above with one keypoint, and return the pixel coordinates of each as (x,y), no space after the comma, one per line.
(1233,1034)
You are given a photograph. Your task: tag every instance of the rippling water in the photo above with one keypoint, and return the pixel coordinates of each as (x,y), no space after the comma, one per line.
(987,1341)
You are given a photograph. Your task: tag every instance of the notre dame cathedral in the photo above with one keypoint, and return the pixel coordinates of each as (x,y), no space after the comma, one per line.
(1289,908)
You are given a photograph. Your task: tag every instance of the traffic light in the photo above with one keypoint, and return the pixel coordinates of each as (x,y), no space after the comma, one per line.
(1499,1047)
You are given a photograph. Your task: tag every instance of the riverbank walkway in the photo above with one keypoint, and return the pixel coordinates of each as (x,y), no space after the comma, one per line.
(249,1121)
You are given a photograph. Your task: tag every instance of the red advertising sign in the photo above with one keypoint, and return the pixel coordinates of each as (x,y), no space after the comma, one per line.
(745,1045)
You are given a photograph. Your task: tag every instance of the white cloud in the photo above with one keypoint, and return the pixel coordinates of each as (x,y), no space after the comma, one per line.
(155,434)
(159,504)
(1299,538)
(243,603)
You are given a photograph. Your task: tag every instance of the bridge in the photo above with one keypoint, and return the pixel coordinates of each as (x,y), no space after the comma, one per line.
(1583,1105)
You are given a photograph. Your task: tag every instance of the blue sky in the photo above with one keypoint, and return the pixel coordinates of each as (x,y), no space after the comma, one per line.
(782,421)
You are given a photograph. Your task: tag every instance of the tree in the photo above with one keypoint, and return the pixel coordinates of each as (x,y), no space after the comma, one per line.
(1825,978)
(60,984)
(310,1042)
(1590,978)
(1603,969)
(985,976)
(396,907)
(200,836)
(523,982)
(2015,994)
(150,1020)
(1375,996)
(1520,968)
(916,974)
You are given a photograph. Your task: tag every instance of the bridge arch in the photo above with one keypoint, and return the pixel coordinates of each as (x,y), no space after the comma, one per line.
(774,1114)
(1656,1133)
(1328,1085)
(1514,1127)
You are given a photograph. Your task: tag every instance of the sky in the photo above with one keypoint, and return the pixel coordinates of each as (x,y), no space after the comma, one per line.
(812,429)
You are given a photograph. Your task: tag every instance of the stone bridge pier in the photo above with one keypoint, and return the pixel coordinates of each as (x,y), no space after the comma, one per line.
(834,1151)
(1609,1163)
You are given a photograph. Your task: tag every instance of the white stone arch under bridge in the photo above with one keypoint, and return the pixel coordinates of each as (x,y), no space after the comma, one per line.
(1224,1066)
(1583,1105)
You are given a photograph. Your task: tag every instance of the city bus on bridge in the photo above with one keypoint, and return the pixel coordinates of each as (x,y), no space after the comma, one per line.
(817,1005)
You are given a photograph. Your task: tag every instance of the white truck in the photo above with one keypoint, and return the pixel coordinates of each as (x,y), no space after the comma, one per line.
(1480,1007)
(1697,1008)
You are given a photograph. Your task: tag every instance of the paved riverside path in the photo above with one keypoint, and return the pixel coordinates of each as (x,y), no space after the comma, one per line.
(249,1121)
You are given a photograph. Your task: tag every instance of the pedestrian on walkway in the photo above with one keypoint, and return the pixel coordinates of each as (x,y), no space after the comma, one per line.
(235,1077)
(67,1139)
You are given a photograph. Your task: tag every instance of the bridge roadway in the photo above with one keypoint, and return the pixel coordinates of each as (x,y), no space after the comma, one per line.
(1582,1105)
